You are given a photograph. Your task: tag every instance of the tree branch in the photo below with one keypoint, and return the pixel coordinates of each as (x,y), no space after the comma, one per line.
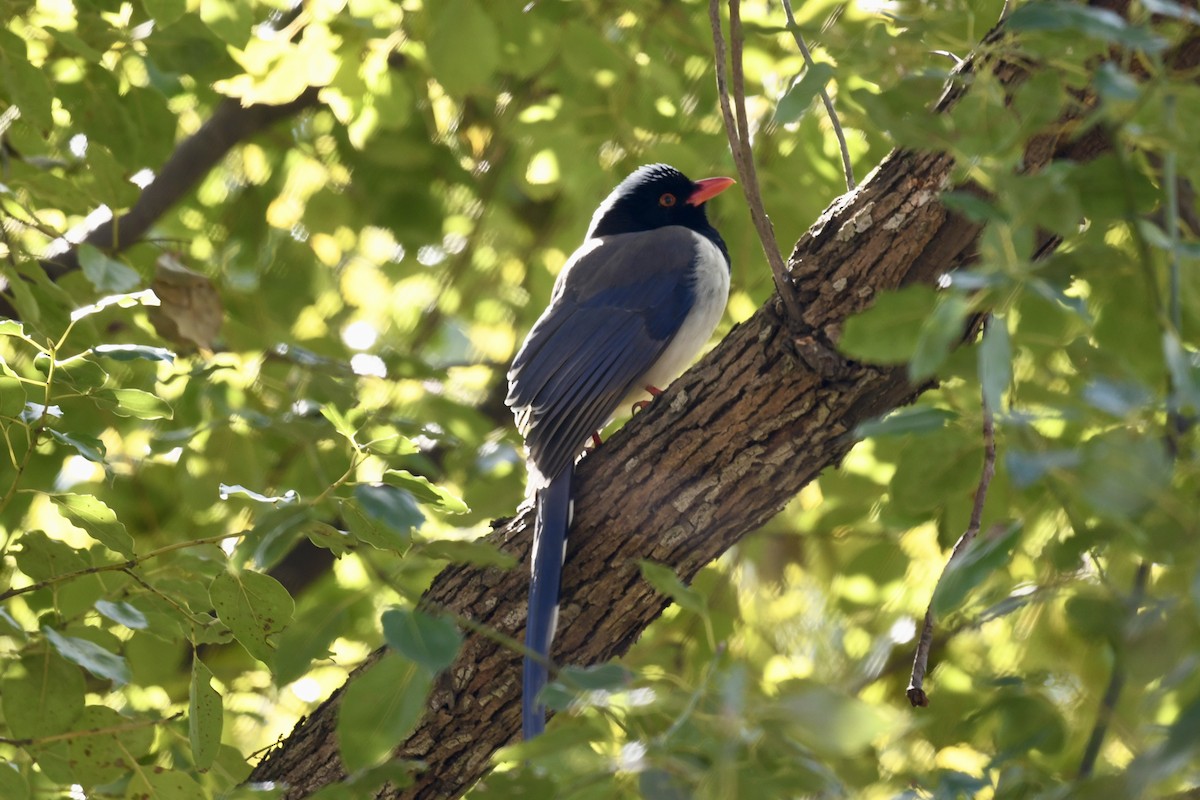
(719,454)
(230,125)
(916,692)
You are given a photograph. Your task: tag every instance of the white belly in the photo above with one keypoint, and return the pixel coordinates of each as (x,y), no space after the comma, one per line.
(711,295)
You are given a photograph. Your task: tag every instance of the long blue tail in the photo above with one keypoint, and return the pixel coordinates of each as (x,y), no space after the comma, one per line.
(549,551)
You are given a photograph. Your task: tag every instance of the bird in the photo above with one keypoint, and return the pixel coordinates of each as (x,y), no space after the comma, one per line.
(630,310)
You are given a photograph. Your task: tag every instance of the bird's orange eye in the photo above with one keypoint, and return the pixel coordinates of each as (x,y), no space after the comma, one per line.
(667,200)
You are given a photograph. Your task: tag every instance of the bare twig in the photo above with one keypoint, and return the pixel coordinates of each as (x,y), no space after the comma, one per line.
(916,692)
(829,109)
(1116,681)
(738,133)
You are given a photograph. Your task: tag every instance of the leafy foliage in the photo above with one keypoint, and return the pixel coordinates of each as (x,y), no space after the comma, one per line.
(236,452)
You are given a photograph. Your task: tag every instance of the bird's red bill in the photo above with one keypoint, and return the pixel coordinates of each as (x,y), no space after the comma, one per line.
(708,188)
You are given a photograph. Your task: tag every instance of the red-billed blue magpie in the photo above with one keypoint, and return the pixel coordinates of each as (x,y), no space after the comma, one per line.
(630,309)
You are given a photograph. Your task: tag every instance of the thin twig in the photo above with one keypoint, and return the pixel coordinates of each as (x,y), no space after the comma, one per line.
(118,566)
(1116,682)
(829,109)
(111,729)
(916,692)
(739,143)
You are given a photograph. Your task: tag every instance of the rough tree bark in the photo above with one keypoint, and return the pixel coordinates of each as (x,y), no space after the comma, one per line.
(713,459)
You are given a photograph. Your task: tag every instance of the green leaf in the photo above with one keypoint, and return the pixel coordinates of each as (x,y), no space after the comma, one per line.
(1123,473)
(89,655)
(42,558)
(1185,389)
(231,20)
(985,556)
(887,332)
(918,419)
(795,101)
(664,580)
(432,642)
(146,297)
(106,274)
(340,423)
(832,724)
(463,47)
(426,492)
(91,514)
(141,405)
(133,352)
(380,707)
(254,606)
(1097,23)
(389,505)
(11,327)
(315,629)
(12,783)
(24,84)
(1026,469)
(943,329)
(123,613)
(205,716)
(89,447)
(101,759)
(43,697)
(971,206)
(160,784)
(276,533)
(585,686)
(226,491)
(480,553)
(164,12)
(1115,84)
(995,363)
(80,372)
(610,677)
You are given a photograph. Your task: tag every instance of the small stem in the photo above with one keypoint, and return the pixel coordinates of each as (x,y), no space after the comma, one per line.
(1116,682)
(916,692)
(58,737)
(737,131)
(119,566)
(825,99)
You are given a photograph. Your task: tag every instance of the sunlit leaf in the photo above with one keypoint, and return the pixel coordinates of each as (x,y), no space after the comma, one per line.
(44,696)
(254,606)
(101,523)
(204,715)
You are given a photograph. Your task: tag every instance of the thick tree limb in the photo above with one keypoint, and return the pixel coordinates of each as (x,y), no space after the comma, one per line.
(713,459)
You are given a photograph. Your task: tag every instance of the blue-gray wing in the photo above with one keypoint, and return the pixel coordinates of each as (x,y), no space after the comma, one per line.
(615,308)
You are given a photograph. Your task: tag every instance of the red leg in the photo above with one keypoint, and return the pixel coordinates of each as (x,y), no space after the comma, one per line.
(641,405)
(596,442)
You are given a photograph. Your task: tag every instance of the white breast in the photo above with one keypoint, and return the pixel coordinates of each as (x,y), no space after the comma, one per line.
(711,294)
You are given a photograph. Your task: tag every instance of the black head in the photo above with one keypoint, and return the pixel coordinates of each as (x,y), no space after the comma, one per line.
(656,196)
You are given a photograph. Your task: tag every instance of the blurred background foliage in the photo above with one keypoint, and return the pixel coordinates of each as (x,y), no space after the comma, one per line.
(209,495)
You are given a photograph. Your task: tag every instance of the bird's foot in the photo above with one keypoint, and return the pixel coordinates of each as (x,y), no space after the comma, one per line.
(594,443)
(642,405)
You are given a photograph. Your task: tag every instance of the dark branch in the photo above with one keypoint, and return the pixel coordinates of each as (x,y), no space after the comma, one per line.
(916,692)
(230,125)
